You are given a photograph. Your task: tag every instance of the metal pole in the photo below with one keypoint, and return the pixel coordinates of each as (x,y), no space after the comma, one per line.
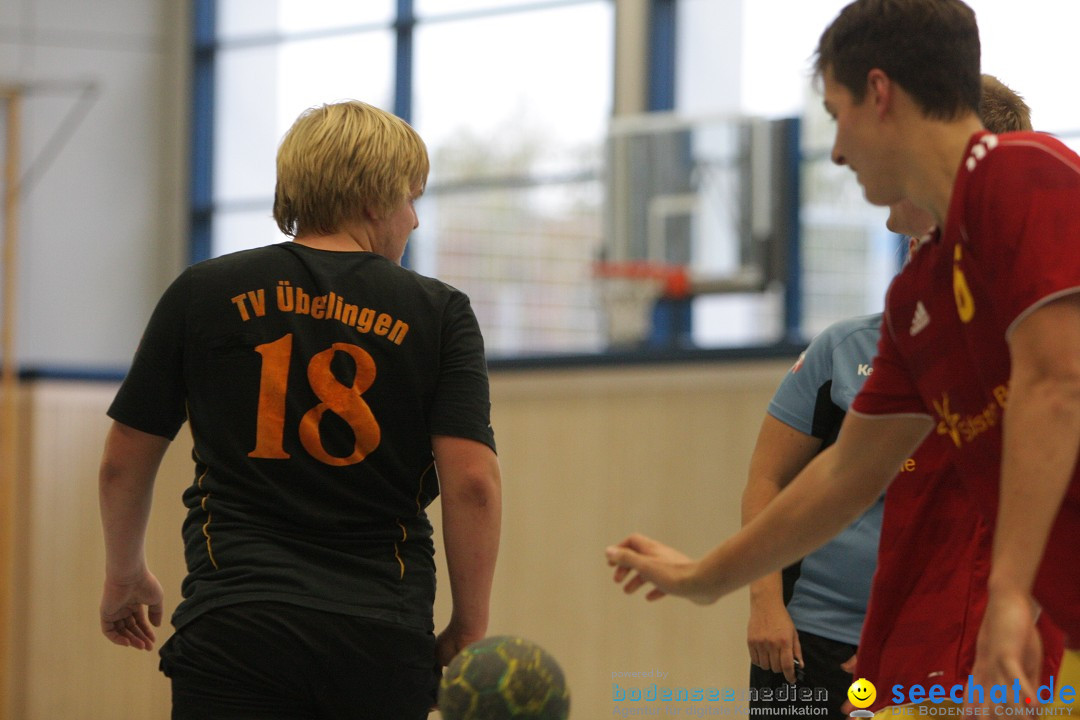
(8,393)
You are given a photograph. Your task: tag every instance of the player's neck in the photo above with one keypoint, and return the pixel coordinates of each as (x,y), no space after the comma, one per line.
(346,240)
(938,149)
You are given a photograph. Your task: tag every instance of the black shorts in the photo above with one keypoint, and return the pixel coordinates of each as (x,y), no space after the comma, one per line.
(821,678)
(274,661)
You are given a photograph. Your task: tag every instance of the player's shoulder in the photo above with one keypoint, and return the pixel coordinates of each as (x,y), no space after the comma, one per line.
(237,260)
(853,338)
(436,293)
(849,330)
(1009,152)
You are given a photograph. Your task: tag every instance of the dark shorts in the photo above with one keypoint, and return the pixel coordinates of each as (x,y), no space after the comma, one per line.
(821,679)
(273,661)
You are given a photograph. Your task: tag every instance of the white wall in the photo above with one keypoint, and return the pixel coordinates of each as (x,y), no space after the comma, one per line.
(102,226)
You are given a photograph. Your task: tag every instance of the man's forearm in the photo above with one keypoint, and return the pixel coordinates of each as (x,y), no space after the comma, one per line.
(826,497)
(767,590)
(471,528)
(125,493)
(471,487)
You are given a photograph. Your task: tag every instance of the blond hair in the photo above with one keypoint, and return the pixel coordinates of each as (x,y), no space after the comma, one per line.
(342,160)
(1001,108)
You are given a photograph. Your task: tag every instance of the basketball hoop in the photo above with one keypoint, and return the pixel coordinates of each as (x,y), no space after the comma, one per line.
(628,292)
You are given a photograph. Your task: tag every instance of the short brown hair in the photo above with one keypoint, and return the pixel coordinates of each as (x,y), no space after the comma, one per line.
(929,47)
(1001,108)
(341,160)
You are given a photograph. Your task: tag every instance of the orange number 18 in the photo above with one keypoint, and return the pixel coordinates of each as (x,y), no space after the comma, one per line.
(341,400)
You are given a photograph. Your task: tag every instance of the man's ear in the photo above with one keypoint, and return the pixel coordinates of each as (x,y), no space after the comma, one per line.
(879,90)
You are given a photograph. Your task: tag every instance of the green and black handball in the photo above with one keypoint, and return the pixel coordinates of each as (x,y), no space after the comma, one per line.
(504,677)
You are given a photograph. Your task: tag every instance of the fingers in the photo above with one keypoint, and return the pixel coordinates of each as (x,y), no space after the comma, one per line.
(622,557)
(625,562)
(638,543)
(755,657)
(1014,669)
(773,655)
(786,661)
(848,665)
(634,584)
(1008,649)
(129,631)
(621,572)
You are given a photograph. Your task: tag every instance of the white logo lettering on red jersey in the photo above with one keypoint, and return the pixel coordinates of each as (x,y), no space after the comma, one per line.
(979,150)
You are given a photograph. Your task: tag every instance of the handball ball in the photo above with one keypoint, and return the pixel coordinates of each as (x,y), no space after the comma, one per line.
(503,677)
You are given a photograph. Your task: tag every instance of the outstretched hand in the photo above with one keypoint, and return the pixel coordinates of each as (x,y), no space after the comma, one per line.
(131,610)
(644,560)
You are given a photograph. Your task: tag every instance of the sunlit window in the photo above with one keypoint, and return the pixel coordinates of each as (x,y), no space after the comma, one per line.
(512,215)
(534,180)
(513,99)
(847,255)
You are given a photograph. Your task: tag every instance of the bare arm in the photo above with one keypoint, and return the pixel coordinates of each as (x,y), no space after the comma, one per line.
(471,488)
(1041,437)
(780,453)
(132,598)
(828,495)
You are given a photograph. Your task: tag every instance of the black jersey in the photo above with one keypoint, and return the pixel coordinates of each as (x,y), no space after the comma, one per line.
(313,381)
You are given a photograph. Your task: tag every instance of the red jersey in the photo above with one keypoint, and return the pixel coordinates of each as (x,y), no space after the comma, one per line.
(929,591)
(1010,245)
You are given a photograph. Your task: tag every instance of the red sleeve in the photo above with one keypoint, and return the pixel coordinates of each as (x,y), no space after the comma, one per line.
(890,389)
(1027,197)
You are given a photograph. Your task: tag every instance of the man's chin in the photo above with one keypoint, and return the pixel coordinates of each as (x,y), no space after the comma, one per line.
(879,199)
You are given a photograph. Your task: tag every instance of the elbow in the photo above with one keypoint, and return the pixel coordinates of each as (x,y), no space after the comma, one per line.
(111,472)
(1057,393)
(480,487)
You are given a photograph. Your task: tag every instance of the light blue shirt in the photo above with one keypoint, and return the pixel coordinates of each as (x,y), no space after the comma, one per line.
(833,588)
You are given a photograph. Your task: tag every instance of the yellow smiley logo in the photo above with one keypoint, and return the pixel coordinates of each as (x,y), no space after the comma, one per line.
(862,693)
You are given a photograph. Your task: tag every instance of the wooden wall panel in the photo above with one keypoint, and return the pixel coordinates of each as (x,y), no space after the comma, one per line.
(68,668)
(587,456)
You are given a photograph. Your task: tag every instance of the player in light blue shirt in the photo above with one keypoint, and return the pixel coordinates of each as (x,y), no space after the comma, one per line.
(805,624)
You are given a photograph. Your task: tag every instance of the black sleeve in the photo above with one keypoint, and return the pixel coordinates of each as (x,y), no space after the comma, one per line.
(152,397)
(828,416)
(462,405)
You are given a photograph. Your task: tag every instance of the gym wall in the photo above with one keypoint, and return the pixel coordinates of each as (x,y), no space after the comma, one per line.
(588,456)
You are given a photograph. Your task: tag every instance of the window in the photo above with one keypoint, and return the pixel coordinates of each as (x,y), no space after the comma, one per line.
(512,97)
(847,257)
(533,180)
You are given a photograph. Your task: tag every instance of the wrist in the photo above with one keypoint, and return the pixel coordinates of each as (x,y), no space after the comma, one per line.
(125,574)
(471,624)
(768,589)
(1003,582)
(695,585)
